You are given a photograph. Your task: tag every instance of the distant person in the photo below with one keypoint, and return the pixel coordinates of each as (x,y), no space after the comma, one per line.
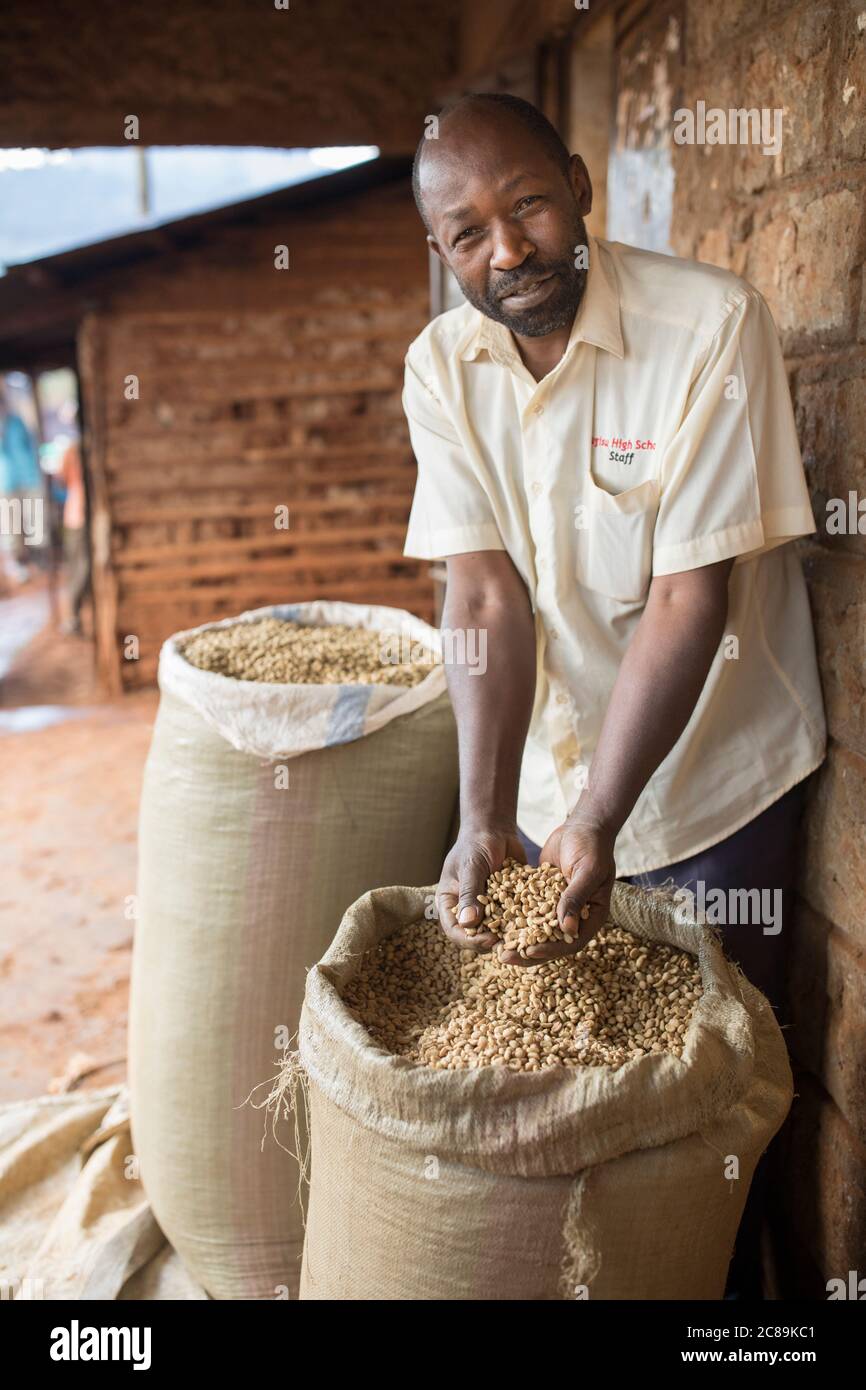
(21,488)
(75,543)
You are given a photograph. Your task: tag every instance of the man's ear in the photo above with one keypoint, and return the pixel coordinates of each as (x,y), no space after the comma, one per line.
(434,246)
(582,185)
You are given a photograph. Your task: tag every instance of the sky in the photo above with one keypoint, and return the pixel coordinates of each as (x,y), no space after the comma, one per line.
(54,200)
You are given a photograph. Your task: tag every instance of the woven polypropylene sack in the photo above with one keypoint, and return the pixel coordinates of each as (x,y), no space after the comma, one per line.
(612,1183)
(254,838)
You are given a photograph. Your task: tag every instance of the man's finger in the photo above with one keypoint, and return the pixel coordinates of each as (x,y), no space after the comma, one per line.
(446,904)
(446,907)
(483,942)
(549,852)
(585,883)
(536,955)
(474,873)
(573,912)
(587,927)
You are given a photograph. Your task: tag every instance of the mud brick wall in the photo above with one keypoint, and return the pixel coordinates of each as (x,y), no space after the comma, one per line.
(795,226)
(258,388)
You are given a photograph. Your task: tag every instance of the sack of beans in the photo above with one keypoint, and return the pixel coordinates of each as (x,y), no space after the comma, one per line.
(586,1127)
(300,755)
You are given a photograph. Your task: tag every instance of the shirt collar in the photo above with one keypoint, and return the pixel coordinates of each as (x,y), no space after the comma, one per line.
(597,321)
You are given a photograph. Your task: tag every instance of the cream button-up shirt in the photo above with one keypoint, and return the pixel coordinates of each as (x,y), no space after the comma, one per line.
(661,441)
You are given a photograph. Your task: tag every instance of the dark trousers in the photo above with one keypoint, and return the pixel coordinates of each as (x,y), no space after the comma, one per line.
(77,552)
(760,856)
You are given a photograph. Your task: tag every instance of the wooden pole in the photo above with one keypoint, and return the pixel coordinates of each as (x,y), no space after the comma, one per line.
(53,546)
(91,367)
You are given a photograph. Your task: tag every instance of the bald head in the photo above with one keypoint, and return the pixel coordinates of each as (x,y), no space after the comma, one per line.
(463,120)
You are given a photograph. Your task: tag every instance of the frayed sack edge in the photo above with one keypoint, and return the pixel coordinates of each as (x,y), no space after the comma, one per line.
(286,1092)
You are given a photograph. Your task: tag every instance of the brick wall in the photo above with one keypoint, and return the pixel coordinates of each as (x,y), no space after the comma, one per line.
(794,226)
(258,388)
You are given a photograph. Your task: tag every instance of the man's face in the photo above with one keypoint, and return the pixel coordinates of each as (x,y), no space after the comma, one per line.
(507,221)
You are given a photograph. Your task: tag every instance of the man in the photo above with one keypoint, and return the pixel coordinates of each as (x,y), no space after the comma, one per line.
(608,464)
(75,541)
(21,488)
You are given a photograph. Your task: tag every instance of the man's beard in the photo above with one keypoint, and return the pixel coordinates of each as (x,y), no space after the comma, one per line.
(560,307)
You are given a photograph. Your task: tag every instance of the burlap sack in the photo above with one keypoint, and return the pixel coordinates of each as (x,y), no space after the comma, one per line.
(491,1184)
(241,883)
(74,1221)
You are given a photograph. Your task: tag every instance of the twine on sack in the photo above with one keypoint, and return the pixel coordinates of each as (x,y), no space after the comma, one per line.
(288,1089)
(628,913)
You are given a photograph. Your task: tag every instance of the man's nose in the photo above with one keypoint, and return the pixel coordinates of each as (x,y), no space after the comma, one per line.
(510,247)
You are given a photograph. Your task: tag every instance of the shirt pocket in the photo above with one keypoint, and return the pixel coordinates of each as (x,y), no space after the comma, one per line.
(614,548)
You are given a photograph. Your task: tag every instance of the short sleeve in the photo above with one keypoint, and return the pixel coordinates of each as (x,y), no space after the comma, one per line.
(451,513)
(731,482)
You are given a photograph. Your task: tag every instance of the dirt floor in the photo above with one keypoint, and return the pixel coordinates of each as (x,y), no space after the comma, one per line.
(72,764)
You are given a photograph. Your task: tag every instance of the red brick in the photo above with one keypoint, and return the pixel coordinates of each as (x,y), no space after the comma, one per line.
(837,587)
(815,405)
(706,175)
(847,88)
(787,60)
(798,88)
(715,248)
(833,875)
(801,260)
(714,29)
(831,421)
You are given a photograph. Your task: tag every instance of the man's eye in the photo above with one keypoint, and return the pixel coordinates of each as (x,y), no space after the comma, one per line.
(467,231)
(527,201)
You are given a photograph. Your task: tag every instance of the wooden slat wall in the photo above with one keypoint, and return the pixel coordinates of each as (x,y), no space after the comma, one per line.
(258,389)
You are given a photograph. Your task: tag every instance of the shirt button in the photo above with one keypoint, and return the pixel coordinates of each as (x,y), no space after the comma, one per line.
(536,489)
(554,634)
(538,410)
(562,698)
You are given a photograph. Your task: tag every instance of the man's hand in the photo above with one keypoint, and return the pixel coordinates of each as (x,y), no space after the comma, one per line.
(492,705)
(465,872)
(583,851)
